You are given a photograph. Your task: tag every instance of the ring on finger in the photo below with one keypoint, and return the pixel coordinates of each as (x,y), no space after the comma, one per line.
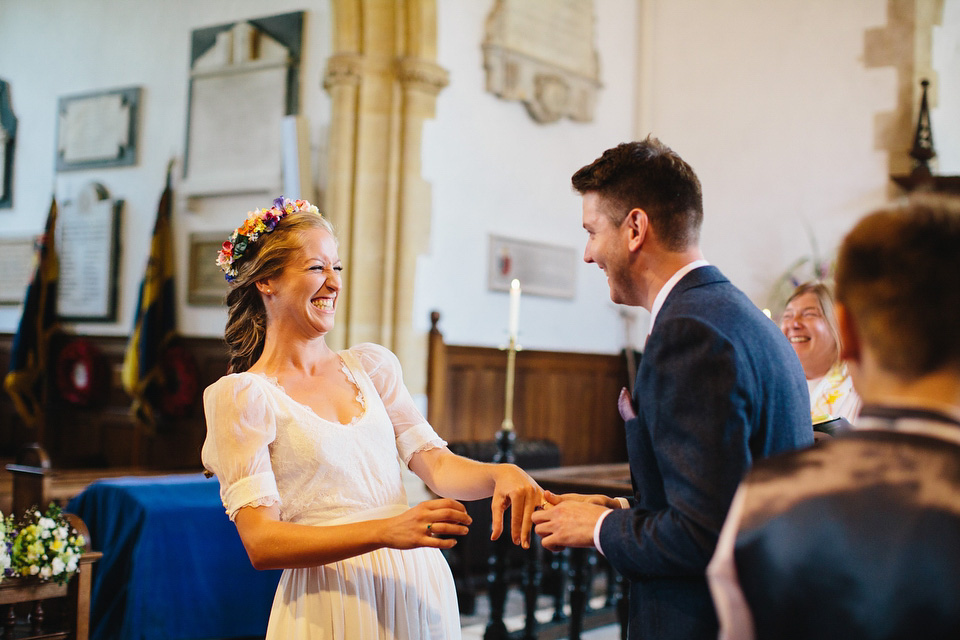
(430,529)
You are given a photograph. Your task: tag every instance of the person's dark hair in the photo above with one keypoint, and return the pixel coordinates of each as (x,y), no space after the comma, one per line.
(246,316)
(647,175)
(897,274)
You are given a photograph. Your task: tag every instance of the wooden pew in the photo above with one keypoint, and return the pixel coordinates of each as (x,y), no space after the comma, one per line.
(568,398)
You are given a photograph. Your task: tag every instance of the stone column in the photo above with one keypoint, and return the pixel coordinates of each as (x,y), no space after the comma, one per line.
(421,82)
(383,84)
(342,82)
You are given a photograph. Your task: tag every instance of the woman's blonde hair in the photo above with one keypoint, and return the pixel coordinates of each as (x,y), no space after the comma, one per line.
(246,327)
(825,299)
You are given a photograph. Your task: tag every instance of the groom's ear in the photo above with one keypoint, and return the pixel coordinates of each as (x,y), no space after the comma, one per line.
(637,226)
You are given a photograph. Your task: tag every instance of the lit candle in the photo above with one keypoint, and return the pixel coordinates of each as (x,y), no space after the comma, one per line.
(514,326)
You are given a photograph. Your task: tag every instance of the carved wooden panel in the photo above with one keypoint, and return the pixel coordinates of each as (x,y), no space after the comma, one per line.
(569,398)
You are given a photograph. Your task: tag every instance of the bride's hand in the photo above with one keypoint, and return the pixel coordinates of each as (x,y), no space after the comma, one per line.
(421,525)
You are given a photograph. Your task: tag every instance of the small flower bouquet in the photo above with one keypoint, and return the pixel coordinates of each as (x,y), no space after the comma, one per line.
(42,545)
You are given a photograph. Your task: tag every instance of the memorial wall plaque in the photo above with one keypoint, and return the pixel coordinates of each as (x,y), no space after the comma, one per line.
(542,269)
(206,284)
(17,264)
(243,82)
(98,129)
(87,236)
(542,53)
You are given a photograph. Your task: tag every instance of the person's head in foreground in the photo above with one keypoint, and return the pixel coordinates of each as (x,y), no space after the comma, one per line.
(282,265)
(898,294)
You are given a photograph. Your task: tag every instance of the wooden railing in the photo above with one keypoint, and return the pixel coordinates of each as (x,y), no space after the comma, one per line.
(567,577)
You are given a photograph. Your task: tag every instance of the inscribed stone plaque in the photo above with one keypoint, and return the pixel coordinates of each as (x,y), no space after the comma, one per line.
(98,130)
(542,269)
(206,284)
(17,264)
(542,53)
(243,84)
(87,244)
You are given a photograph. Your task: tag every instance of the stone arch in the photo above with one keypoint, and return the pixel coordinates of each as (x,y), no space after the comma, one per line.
(383,80)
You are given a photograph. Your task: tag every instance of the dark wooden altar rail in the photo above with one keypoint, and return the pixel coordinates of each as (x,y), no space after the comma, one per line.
(105,435)
(565,397)
(572,571)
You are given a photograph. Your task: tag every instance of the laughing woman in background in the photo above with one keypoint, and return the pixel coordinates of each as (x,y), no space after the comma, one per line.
(809,323)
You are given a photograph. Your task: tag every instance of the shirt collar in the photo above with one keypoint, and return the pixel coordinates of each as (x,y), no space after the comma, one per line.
(668,287)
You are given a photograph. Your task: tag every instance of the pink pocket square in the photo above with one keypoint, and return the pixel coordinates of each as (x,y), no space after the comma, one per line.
(625,405)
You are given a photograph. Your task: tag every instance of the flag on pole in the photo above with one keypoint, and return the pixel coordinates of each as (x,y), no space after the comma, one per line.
(27,380)
(154,327)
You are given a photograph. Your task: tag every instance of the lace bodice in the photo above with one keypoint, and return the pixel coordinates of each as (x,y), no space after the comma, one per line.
(267,448)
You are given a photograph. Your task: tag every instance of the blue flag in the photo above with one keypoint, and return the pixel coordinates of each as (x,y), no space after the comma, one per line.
(154,328)
(27,380)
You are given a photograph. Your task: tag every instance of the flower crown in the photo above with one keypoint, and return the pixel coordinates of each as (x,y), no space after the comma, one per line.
(258,222)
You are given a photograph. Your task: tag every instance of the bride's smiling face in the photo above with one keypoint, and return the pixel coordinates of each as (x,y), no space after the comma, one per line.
(303,297)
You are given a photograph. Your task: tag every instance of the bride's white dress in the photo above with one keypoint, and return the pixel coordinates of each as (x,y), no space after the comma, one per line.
(268,449)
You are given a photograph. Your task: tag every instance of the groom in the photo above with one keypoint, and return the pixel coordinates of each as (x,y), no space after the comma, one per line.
(718,387)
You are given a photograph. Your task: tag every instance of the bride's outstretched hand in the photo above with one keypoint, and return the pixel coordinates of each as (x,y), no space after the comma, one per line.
(517,490)
(427,525)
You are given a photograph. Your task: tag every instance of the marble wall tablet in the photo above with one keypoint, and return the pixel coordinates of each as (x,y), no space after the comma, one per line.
(87,241)
(542,53)
(239,96)
(98,130)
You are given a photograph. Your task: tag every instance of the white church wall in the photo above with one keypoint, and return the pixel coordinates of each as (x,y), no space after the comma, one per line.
(945,116)
(771,103)
(494,170)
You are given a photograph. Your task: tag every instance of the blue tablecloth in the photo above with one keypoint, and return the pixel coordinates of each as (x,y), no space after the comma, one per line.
(173,566)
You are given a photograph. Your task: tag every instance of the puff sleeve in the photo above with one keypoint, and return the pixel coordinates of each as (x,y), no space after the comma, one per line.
(412,430)
(240,428)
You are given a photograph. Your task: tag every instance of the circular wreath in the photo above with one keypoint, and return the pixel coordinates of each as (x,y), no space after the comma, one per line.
(81,373)
(181,382)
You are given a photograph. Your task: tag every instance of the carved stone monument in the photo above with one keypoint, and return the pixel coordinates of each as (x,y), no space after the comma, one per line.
(243,84)
(542,53)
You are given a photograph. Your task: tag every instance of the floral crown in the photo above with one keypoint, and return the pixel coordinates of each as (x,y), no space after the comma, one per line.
(258,222)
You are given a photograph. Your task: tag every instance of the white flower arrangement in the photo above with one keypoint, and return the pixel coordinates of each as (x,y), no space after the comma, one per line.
(44,545)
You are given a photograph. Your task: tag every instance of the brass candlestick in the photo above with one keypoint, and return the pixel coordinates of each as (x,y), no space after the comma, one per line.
(507,423)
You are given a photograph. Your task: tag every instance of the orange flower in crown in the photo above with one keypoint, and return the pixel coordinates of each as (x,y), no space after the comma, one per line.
(258,223)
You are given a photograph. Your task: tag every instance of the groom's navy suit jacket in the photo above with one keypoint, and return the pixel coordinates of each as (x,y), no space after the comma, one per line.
(718,387)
